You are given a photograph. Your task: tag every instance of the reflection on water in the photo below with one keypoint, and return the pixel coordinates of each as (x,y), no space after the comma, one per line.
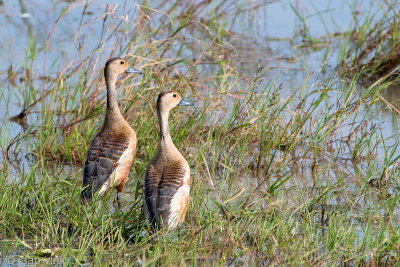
(392,96)
(389,111)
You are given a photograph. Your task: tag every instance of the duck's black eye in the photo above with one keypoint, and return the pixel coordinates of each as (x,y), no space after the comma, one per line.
(174,95)
(122,62)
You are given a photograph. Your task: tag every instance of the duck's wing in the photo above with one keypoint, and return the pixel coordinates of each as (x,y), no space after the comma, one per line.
(101,160)
(160,186)
(151,183)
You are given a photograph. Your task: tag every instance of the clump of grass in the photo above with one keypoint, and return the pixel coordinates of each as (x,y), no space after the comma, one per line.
(373,45)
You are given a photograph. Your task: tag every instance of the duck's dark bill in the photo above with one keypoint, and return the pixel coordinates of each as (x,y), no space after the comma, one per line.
(185,103)
(132,70)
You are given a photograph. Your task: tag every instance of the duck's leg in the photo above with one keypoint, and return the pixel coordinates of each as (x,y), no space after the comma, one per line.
(118,201)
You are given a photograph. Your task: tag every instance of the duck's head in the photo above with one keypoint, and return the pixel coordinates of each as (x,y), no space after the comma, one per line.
(116,66)
(169,99)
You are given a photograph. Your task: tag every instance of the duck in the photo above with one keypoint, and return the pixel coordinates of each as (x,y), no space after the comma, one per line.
(166,184)
(112,150)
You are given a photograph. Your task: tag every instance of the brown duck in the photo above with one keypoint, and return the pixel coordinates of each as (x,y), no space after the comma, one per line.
(112,150)
(166,184)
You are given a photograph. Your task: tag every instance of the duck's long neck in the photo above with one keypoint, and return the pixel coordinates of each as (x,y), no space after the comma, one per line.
(165,137)
(113,114)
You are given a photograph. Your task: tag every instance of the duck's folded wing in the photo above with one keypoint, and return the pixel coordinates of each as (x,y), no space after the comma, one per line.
(159,189)
(102,156)
(171,181)
(151,183)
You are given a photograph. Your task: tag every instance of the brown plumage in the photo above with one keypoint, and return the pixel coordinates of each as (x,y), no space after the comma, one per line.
(166,184)
(112,150)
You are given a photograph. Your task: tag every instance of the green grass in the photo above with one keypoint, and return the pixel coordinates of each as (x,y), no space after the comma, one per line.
(276,179)
(371,48)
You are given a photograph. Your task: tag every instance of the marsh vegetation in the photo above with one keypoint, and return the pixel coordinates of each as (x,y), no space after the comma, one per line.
(292,143)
